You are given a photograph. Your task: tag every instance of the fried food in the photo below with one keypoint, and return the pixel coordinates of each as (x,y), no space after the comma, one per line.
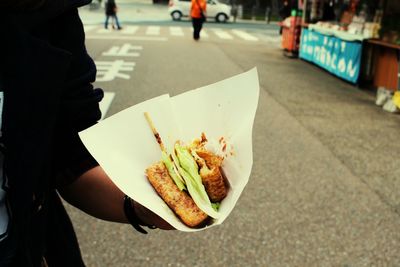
(179,201)
(211,175)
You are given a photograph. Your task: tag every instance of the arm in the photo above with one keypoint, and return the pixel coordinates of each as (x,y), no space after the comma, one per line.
(81,181)
(94,193)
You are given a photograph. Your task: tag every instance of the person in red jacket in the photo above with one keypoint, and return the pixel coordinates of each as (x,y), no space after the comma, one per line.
(198,13)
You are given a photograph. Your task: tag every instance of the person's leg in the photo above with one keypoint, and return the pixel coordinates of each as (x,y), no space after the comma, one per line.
(200,26)
(113,22)
(106,22)
(117,22)
(196,28)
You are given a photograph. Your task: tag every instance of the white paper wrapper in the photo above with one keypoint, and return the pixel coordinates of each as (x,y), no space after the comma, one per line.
(124,144)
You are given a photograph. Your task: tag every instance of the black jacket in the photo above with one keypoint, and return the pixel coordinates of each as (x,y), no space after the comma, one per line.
(49,98)
(111,8)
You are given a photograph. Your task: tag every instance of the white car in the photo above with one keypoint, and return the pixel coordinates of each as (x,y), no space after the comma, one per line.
(216,10)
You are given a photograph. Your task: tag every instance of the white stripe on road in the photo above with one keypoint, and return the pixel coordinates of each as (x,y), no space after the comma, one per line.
(273,39)
(123,51)
(153,30)
(119,37)
(88,28)
(222,34)
(129,29)
(244,35)
(102,31)
(176,31)
(203,33)
(106,103)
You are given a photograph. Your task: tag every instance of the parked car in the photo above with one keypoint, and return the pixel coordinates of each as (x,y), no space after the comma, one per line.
(215,10)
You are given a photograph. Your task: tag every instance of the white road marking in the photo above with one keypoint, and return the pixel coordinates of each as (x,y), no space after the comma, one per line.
(203,33)
(129,32)
(244,35)
(88,28)
(222,34)
(123,51)
(129,29)
(109,70)
(273,39)
(153,30)
(176,31)
(105,31)
(106,103)
(119,37)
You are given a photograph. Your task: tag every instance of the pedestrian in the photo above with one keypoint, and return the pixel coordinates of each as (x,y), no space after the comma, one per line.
(111,11)
(198,13)
(46,98)
(234,12)
(284,12)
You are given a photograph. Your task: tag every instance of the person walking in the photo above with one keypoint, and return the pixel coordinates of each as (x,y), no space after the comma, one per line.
(46,98)
(111,11)
(198,13)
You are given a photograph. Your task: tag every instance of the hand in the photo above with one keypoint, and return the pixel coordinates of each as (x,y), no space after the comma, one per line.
(150,218)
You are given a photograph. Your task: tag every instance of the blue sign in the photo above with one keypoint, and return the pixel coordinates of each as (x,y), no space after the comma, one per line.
(342,58)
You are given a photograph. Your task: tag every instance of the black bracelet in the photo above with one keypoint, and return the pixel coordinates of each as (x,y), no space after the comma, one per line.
(130,214)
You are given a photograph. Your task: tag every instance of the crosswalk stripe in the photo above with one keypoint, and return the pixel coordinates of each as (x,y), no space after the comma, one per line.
(131,32)
(244,35)
(107,31)
(129,29)
(203,33)
(153,30)
(106,103)
(222,34)
(88,28)
(273,39)
(176,31)
(134,38)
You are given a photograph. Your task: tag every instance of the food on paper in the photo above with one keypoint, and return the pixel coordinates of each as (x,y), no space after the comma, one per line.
(179,201)
(189,180)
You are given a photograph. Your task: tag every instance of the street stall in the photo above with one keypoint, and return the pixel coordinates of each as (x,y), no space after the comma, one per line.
(335,51)
(355,40)
(335,42)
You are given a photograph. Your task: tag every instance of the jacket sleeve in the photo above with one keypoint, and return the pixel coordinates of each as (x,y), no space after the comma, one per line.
(79,101)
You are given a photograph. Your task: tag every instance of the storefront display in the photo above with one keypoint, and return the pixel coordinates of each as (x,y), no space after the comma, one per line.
(356,40)
(338,56)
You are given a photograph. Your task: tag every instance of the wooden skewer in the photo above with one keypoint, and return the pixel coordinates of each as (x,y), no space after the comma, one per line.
(154,130)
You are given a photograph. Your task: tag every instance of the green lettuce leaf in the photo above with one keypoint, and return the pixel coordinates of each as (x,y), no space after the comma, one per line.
(189,170)
(172,171)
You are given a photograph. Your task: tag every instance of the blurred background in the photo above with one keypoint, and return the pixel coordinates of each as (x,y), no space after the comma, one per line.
(325,183)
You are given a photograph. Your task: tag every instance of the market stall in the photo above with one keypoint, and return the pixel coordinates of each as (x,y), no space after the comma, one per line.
(356,40)
(335,35)
(336,51)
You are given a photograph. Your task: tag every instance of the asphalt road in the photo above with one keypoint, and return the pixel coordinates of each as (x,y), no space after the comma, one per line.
(324,189)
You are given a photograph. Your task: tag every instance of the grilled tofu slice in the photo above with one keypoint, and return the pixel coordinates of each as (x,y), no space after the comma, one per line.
(211,175)
(179,201)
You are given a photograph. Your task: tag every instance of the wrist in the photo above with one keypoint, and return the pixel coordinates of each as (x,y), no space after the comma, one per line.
(132,216)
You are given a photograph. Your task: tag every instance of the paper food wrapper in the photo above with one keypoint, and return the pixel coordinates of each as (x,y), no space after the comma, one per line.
(124,144)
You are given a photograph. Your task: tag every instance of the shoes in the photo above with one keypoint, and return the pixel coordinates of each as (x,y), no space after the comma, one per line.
(382,96)
(390,106)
